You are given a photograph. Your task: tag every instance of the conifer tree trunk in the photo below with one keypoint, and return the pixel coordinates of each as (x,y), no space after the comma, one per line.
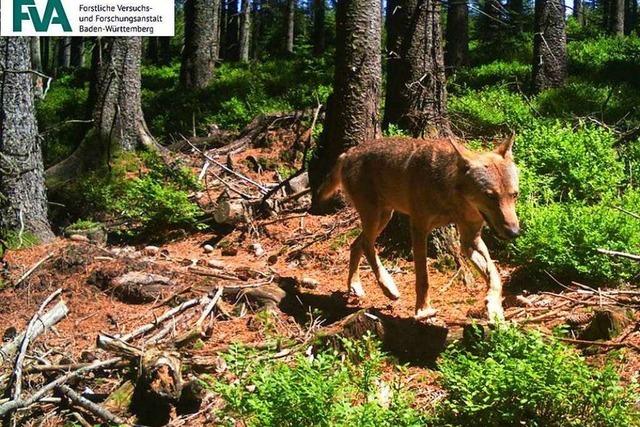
(457,48)
(45,50)
(352,110)
(232,34)
(291,22)
(215,24)
(64,52)
(578,12)
(77,52)
(23,199)
(199,44)
(549,45)
(245,30)
(152,52)
(319,34)
(164,44)
(118,122)
(416,98)
(616,27)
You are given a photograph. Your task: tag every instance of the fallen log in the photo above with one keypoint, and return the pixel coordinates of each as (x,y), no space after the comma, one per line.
(46,321)
(167,315)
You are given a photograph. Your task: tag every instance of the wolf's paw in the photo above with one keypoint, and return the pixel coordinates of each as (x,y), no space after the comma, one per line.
(425,313)
(356,289)
(494,310)
(388,286)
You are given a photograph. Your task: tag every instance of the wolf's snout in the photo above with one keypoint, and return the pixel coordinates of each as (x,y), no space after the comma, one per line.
(512,232)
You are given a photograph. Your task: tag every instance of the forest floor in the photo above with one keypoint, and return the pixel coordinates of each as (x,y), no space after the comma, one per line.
(309,253)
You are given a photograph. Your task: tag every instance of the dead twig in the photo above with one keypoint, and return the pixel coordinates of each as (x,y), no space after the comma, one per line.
(88,405)
(167,315)
(30,271)
(619,254)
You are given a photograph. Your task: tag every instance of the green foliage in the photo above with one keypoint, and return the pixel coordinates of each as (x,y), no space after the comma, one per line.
(142,191)
(570,163)
(65,101)
(518,378)
(488,112)
(237,94)
(330,389)
(563,238)
(613,59)
(495,73)
(15,240)
(84,224)
(394,130)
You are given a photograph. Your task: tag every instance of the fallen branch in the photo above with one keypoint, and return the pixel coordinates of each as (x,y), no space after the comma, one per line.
(17,370)
(30,271)
(88,405)
(167,315)
(619,254)
(47,320)
(13,405)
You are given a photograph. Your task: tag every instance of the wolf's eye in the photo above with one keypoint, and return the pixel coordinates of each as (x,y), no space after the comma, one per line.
(491,194)
(515,195)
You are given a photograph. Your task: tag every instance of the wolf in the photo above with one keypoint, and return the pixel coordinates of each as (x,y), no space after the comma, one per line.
(435,182)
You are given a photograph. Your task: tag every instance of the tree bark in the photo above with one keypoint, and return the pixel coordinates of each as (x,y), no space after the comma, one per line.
(77,52)
(215,23)
(64,52)
(416,90)
(23,199)
(232,40)
(319,33)
(245,30)
(616,27)
(165,50)
(118,122)
(152,50)
(199,44)
(352,110)
(577,11)
(549,45)
(291,22)
(457,49)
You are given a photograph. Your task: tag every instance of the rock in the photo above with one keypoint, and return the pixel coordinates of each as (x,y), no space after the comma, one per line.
(229,251)
(309,283)
(152,250)
(216,263)
(207,249)
(257,249)
(93,232)
(299,183)
(607,323)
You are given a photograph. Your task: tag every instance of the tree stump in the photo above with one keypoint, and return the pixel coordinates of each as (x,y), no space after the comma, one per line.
(607,323)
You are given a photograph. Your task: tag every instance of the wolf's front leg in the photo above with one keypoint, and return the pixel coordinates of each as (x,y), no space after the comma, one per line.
(475,249)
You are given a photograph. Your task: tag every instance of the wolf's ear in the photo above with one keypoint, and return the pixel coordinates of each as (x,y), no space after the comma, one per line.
(505,147)
(462,151)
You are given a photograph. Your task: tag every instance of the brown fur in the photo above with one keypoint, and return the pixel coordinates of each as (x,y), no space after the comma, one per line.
(435,182)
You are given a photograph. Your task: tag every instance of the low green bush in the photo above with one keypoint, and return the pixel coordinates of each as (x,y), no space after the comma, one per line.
(514,378)
(567,163)
(141,193)
(489,112)
(564,237)
(495,73)
(328,389)
(612,59)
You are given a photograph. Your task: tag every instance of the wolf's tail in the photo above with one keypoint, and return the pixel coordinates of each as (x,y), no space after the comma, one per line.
(332,183)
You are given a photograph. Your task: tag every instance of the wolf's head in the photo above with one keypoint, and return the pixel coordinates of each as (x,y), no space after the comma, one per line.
(490,183)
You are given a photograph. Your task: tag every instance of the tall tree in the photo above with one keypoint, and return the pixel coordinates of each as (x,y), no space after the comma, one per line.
(152,52)
(118,122)
(490,25)
(549,45)
(631,16)
(165,50)
(232,43)
(198,55)
(23,199)
(319,33)
(77,52)
(457,48)
(215,24)
(352,109)
(245,30)
(291,23)
(416,92)
(515,9)
(616,19)
(578,11)
(64,52)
